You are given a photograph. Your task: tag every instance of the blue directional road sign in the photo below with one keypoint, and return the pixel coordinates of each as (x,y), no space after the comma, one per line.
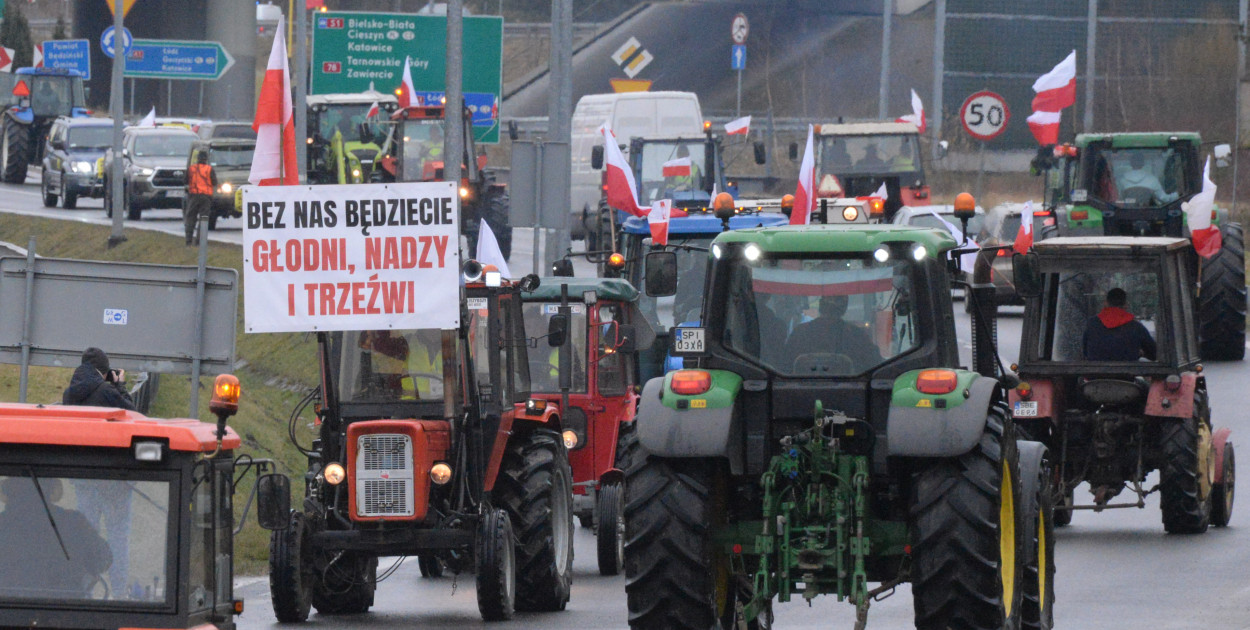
(738,60)
(170,59)
(106,41)
(71,54)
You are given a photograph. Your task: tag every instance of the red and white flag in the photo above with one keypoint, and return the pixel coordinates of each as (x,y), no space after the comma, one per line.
(622,192)
(149,120)
(882,193)
(37,61)
(1056,90)
(657,220)
(1198,210)
(405,86)
(966,261)
(373,110)
(916,117)
(741,126)
(676,168)
(273,163)
(805,192)
(1024,235)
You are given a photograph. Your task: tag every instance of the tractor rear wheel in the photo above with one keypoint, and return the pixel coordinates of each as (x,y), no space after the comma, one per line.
(496,567)
(16,151)
(1038,537)
(346,586)
(535,488)
(1222,300)
(1222,495)
(290,572)
(966,536)
(1185,503)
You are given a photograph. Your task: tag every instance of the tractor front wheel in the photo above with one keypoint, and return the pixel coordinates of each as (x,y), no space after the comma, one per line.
(346,586)
(431,565)
(16,151)
(290,574)
(1038,537)
(966,536)
(1185,495)
(610,528)
(496,567)
(1222,299)
(535,488)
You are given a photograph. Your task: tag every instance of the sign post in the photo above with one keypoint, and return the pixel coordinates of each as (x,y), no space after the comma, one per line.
(738,33)
(984,116)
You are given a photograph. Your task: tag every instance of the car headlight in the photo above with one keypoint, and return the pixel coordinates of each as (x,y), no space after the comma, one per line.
(142,170)
(83,167)
(227,188)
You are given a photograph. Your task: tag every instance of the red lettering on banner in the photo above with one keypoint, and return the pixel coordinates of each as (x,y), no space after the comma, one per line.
(390,254)
(425,252)
(290,300)
(327,299)
(408,252)
(440,245)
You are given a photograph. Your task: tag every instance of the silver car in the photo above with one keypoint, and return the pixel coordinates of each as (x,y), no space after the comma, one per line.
(155,169)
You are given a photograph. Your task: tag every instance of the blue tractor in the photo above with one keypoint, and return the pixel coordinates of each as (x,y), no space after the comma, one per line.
(37,96)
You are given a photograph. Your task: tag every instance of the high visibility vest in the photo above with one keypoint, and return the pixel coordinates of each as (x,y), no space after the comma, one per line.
(685,182)
(422,361)
(200,179)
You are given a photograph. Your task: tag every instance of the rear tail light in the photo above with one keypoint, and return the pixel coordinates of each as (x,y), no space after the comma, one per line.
(1004,253)
(1024,390)
(691,382)
(937,382)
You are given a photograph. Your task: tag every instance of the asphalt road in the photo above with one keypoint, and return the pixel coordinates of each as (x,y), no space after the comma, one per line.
(1115,570)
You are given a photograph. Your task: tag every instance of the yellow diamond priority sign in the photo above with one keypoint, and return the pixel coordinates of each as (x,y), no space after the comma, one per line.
(126,4)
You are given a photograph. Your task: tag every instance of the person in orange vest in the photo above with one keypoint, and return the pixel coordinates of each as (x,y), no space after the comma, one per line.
(201,182)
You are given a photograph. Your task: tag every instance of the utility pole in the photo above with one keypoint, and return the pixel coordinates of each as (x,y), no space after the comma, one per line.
(1091,47)
(300,15)
(883,98)
(559,121)
(939,49)
(116,105)
(453,116)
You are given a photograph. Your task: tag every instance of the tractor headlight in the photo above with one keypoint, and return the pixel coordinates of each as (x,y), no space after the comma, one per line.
(918,252)
(850,213)
(752,252)
(83,168)
(149,451)
(881,254)
(440,473)
(334,473)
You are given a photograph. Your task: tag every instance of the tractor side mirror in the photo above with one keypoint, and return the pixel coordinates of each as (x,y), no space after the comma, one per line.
(794,151)
(661,280)
(942,148)
(596,157)
(1222,153)
(760,155)
(562,268)
(273,501)
(558,330)
(1027,273)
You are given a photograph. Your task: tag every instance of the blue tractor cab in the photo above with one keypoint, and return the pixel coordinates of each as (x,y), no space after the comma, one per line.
(689,237)
(35,98)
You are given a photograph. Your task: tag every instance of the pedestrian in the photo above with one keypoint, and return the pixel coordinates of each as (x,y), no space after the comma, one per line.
(201,182)
(95,384)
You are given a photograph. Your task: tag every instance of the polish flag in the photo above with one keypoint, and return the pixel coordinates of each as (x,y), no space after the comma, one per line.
(406,89)
(657,220)
(882,193)
(676,168)
(373,110)
(1198,210)
(273,163)
(622,192)
(741,126)
(1024,235)
(488,252)
(1056,90)
(804,194)
(916,117)
(967,262)
(149,120)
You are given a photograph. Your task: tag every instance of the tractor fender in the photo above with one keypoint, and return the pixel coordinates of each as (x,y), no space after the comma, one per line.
(23,115)
(1178,403)
(918,427)
(1220,440)
(1032,456)
(713,430)
(513,426)
(611,475)
(1043,394)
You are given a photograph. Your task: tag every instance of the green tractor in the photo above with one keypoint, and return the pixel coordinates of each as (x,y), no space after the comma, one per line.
(345,138)
(824,440)
(1133,184)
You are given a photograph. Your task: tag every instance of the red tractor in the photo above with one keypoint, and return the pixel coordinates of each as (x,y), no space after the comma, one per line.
(414,153)
(112,519)
(598,393)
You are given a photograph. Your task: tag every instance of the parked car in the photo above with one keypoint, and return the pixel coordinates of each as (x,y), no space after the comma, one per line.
(235,129)
(1000,227)
(231,159)
(155,171)
(69,160)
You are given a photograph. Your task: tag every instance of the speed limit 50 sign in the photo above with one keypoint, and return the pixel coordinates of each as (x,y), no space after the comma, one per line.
(984,115)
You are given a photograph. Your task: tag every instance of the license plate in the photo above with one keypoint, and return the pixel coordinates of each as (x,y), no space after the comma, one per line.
(476,304)
(688,341)
(176,194)
(1026,409)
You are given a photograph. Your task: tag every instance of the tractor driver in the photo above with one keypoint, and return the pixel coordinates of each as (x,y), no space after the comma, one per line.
(46,100)
(1138,176)
(829,333)
(425,366)
(48,551)
(687,182)
(1115,335)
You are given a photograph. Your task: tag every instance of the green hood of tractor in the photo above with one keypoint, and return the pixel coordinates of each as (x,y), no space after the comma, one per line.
(838,238)
(1151,139)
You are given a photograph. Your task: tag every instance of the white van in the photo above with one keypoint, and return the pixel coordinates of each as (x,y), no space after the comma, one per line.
(629,114)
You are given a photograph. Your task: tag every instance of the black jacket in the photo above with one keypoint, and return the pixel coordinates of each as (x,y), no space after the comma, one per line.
(88,388)
(1125,340)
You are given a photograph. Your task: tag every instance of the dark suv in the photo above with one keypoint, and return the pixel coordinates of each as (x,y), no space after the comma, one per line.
(69,160)
(155,169)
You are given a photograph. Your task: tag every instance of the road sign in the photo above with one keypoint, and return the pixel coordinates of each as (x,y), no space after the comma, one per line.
(739,30)
(126,4)
(353,50)
(6,59)
(985,115)
(71,54)
(738,60)
(172,59)
(106,41)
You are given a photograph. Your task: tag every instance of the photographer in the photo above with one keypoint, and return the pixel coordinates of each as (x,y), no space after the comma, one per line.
(95,385)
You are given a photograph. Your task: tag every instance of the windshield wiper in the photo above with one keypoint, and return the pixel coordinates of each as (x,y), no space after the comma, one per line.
(47,510)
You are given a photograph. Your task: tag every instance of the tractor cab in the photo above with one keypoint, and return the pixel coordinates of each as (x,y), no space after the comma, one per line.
(48,92)
(864,156)
(346,136)
(109,518)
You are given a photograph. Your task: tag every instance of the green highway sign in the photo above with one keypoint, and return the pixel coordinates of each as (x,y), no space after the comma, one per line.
(355,50)
(170,59)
